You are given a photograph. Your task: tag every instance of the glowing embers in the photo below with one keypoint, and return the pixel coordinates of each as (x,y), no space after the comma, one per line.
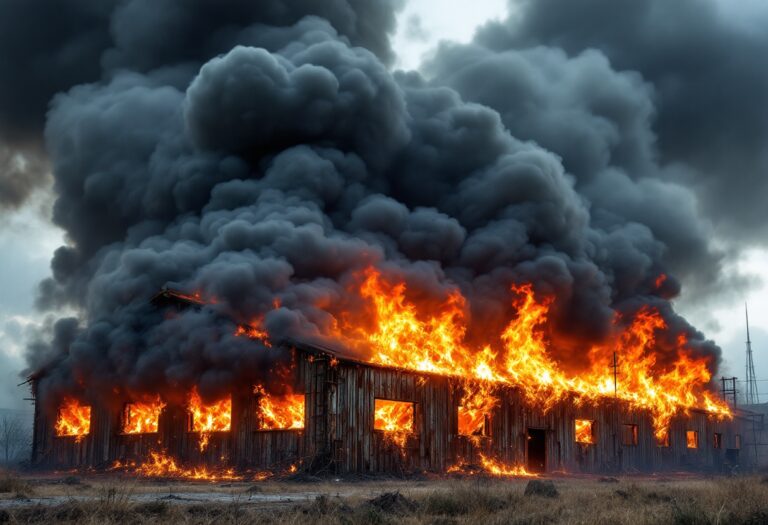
(279,412)
(161,465)
(207,418)
(253,332)
(395,419)
(73,419)
(142,417)
(490,466)
(691,439)
(585,431)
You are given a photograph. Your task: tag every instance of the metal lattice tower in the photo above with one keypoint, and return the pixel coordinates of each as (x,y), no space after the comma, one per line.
(751,396)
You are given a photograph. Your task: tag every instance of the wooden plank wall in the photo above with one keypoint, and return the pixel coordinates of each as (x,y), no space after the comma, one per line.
(339,434)
(359,448)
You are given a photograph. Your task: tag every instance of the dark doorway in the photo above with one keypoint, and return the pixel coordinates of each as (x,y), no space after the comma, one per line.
(537,450)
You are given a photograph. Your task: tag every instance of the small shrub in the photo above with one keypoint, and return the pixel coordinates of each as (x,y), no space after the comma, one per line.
(540,487)
(393,503)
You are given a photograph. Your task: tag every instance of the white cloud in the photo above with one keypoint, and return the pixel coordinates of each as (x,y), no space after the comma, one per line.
(424,23)
(27,241)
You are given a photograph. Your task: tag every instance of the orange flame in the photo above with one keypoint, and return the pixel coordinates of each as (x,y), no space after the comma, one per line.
(432,339)
(691,439)
(160,465)
(491,466)
(253,332)
(497,468)
(216,417)
(477,404)
(73,419)
(395,419)
(662,437)
(142,417)
(584,431)
(280,412)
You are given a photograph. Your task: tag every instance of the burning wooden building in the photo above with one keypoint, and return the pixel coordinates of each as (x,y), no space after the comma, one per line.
(338,414)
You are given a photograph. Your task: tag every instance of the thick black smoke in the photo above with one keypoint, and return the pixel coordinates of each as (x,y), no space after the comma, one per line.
(49,46)
(705,62)
(600,122)
(276,160)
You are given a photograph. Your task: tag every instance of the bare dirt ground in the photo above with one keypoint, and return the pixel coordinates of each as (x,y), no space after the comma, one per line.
(115,498)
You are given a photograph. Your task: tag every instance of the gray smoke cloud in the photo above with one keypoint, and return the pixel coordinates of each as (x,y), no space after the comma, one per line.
(704,61)
(49,46)
(600,122)
(270,153)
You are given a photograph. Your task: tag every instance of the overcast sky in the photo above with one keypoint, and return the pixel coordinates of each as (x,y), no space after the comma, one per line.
(27,238)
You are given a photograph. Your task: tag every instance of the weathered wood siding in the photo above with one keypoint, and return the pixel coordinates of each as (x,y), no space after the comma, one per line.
(339,433)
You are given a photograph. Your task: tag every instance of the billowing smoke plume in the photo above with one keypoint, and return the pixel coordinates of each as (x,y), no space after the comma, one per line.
(703,59)
(49,46)
(264,156)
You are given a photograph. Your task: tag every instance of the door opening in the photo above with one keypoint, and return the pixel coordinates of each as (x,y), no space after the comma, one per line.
(537,450)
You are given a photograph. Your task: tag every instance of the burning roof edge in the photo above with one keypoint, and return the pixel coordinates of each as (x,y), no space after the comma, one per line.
(168,296)
(322,350)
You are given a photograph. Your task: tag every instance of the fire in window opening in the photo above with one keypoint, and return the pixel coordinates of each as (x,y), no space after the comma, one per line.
(211,417)
(279,412)
(585,431)
(473,422)
(691,439)
(73,419)
(142,417)
(393,416)
(477,403)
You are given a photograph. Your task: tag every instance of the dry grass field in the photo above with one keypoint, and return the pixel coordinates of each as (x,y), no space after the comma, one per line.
(115,499)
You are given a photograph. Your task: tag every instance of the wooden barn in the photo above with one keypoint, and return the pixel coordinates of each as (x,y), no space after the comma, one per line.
(339,434)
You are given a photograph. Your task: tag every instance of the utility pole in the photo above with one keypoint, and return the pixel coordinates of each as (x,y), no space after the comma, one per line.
(751,395)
